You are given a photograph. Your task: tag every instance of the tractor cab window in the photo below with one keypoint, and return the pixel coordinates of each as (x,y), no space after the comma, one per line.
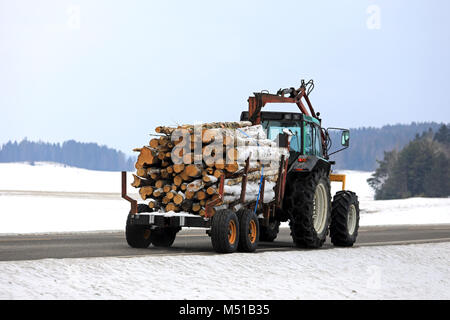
(308,138)
(274,128)
(312,139)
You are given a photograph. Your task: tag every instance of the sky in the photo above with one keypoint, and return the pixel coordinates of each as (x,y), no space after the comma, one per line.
(111,71)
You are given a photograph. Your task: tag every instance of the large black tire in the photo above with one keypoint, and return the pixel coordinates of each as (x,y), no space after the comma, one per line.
(344,219)
(138,236)
(301,193)
(163,237)
(269,233)
(225,231)
(248,230)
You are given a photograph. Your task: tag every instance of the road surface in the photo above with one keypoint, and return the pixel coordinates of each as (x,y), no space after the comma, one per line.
(188,241)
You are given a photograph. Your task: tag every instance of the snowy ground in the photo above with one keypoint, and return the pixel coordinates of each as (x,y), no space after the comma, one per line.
(53,198)
(388,272)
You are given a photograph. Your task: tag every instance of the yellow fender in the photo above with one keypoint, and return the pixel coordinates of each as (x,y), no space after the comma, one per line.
(338,178)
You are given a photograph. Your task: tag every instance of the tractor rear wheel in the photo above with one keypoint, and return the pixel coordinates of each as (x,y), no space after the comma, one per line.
(308,203)
(269,233)
(344,219)
(225,231)
(138,236)
(248,230)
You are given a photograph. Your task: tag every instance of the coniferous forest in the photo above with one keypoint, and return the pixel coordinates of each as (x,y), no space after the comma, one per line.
(420,169)
(82,155)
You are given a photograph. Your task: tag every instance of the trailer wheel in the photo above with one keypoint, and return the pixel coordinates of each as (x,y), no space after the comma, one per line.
(138,236)
(269,233)
(163,237)
(344,219)
(248,230)
(225,231)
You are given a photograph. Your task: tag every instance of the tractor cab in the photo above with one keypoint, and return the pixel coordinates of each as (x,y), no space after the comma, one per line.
(309,143)
(305,131)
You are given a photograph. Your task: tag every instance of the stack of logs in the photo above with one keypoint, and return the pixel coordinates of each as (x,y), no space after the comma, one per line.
(181,168)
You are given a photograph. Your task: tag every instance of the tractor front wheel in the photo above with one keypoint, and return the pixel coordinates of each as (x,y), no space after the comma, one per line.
(344,219)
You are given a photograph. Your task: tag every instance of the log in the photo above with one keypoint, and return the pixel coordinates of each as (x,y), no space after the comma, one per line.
(164,130)
(185,176)
(269,176)
(201,195)
(196,207)
(193,170)
(186,205)
(167,188)
(165,200)
(146,192)
(209,179)
(211,190)
(218,173)
(171,194)
(165,163)
(140,182)
(172,207)
(158,193)
(154,173)
(147,157)
(177,168)
(153,204)
(142,172)
(189,194)
(154,143)
(179,198)
(220,164)
(232,167)
(178,180)
(161,183)
(164,173)
(196,185)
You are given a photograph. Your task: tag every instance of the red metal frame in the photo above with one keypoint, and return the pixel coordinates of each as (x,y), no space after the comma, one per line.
(256,103)
(125,196)
(211,204)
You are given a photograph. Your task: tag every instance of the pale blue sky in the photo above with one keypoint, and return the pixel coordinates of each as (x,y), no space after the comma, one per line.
(113,72)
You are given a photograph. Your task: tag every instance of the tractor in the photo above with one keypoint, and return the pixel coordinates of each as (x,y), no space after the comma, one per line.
(302,191)
(306,201)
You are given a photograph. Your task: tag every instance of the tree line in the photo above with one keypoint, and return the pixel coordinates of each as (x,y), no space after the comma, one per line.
(368,144)
(77,154)
(421,168)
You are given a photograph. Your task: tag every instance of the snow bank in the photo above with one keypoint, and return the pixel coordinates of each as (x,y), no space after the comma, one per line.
(387,272)
(44,176)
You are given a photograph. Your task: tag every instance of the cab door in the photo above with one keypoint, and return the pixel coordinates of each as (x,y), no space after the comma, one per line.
(312,139)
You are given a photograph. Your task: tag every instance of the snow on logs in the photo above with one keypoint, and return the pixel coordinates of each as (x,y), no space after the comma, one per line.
(180,169)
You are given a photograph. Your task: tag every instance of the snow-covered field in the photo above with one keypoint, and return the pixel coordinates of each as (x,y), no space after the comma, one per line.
(54,198)
(91,201)
(389,272)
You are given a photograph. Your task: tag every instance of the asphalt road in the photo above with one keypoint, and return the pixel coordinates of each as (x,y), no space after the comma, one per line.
(188,241)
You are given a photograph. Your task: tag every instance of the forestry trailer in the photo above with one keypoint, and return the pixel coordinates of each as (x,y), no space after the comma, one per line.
(302,189)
